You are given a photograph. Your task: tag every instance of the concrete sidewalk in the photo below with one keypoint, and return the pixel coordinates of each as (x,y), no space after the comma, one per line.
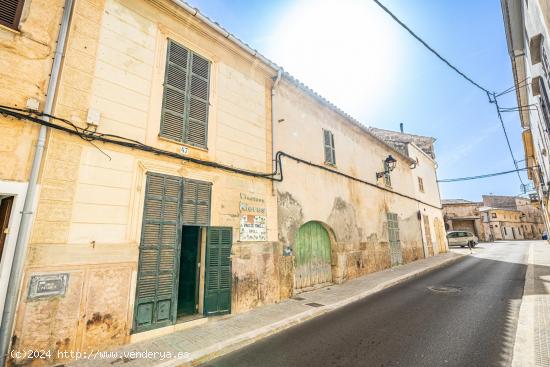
(222,335)
(532,342)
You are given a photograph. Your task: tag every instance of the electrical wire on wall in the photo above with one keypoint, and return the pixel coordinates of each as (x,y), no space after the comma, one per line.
(277,175)
(487,175)
(92,136)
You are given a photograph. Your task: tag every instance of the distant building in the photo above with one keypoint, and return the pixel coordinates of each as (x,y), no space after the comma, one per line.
(464,215)
(511,218)
(496,218)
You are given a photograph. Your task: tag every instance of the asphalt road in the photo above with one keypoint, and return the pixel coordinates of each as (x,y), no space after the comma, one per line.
(462,315)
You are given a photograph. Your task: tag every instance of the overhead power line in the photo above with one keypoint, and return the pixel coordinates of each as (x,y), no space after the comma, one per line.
(506,136)
(525,82)
(483,176)
(432,50)
(492,96)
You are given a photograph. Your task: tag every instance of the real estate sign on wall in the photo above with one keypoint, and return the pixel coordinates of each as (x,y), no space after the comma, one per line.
(253,218)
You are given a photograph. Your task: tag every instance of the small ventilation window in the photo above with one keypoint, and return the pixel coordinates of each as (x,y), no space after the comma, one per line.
(10,13)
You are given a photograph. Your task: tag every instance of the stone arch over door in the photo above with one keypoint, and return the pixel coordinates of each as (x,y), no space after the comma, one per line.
(312,255)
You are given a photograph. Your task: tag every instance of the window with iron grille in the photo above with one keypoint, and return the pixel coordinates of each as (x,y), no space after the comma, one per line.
(186,96)
(330,154)
(10,13)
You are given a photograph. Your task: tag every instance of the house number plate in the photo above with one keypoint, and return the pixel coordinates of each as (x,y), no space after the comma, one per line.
(48,285)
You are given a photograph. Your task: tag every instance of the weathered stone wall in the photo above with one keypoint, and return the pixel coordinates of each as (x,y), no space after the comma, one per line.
(88,220)
(499,201)
(25,63)
(469,210)
(354,213)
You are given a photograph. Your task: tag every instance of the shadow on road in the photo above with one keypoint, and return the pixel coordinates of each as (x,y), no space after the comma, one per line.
(461,315)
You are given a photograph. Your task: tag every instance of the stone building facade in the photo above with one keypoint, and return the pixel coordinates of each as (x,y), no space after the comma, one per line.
(184,177)
(369,223)
(463,215)
(526,24)
(26,54)
(497,217)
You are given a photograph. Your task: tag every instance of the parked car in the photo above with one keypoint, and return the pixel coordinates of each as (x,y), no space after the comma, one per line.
(461,238)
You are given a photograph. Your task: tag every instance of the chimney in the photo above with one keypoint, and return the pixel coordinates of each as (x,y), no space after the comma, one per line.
(401,127)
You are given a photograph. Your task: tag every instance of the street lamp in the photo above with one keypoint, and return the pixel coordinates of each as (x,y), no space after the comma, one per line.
(389,165)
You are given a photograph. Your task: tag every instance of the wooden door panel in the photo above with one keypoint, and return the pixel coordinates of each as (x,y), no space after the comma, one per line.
(312,256)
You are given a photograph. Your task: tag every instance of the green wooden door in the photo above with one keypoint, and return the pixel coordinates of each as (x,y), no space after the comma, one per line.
(396,256)
(312,256)
(159,248)
(217,283)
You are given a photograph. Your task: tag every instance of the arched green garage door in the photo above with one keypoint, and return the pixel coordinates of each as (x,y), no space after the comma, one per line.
(312,256)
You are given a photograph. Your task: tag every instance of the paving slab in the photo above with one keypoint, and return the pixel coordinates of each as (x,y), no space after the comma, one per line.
(532,342)
(224,334)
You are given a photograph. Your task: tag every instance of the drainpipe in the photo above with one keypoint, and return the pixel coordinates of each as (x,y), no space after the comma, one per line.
(16,274)
(276,81)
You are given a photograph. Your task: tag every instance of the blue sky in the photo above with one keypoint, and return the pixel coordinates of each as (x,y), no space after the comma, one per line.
(353,54)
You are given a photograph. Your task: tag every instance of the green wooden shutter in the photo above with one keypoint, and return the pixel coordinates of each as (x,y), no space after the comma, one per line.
(197,127)
(395,242)
(217,286)
(10,13)
(196,202)
(158,253)
(174,105)
(186,96)
(330,156)
(333,150)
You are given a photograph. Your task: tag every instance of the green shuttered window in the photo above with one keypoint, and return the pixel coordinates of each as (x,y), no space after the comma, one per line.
(330,154)
(395,242)
(10,12)
(196,202)
(186,96)
(217,295)
(159,251)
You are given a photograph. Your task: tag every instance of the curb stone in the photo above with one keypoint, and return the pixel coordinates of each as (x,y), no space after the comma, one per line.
(240,341)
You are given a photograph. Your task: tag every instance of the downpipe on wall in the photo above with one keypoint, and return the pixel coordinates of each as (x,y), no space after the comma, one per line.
(16,274)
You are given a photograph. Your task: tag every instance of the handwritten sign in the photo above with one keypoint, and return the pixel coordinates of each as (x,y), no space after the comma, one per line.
(253,220)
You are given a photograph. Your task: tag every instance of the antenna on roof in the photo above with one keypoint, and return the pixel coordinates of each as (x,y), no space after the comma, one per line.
(401,127)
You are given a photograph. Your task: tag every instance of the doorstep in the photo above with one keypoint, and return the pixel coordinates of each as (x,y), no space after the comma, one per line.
(182,324)
(221,335)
